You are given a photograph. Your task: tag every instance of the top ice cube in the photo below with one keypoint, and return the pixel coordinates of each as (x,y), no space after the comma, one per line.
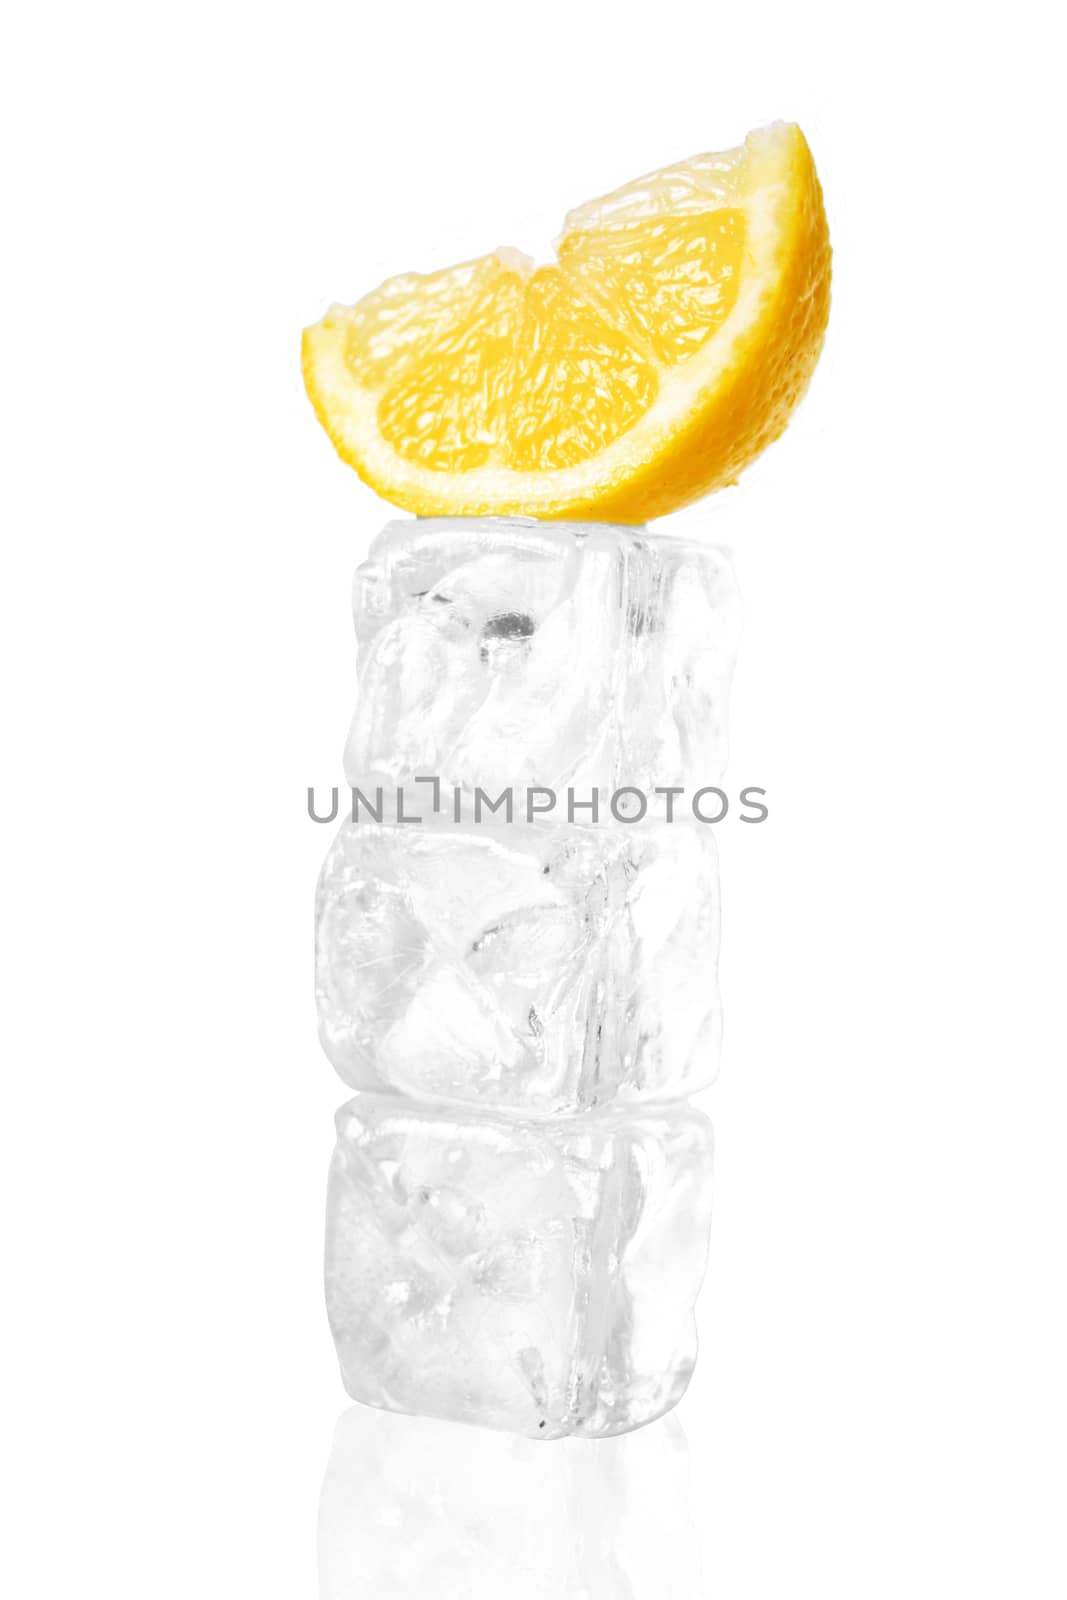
(498,652)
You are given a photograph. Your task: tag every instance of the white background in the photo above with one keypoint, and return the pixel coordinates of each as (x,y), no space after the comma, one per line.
(880,1403)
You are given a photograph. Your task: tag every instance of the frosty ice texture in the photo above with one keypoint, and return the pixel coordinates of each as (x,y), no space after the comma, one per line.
(498,652)
(420,1508)
(540,968)
(537,1276)
(520,1198)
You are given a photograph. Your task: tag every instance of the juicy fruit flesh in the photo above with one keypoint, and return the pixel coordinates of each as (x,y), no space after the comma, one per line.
(665,347)
(541,369)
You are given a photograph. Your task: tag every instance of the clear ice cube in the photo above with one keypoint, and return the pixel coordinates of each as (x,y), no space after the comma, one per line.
(501,652)
(546,969)
(534,1276)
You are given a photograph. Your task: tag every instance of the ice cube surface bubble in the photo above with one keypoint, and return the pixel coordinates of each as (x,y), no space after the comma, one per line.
(505,652)
(545,969)
(536,1276)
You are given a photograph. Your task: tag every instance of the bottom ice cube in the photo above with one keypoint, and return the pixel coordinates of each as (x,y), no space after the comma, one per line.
(532,1276)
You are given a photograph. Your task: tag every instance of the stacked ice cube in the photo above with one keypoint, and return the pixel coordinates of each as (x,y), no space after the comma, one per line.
(517,936)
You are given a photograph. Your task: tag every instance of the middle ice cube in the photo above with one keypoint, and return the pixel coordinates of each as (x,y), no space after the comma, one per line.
(544,968)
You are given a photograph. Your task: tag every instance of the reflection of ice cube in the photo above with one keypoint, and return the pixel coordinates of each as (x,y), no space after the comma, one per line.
(531,1276)
(543,968)
(412,1506)
(497,652)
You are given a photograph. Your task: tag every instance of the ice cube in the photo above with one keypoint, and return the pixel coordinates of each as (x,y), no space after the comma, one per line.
(543,968)
(534,1276)
(506,652)
(413,1506)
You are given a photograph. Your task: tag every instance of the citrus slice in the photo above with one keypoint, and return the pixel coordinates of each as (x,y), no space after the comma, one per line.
(659,354)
